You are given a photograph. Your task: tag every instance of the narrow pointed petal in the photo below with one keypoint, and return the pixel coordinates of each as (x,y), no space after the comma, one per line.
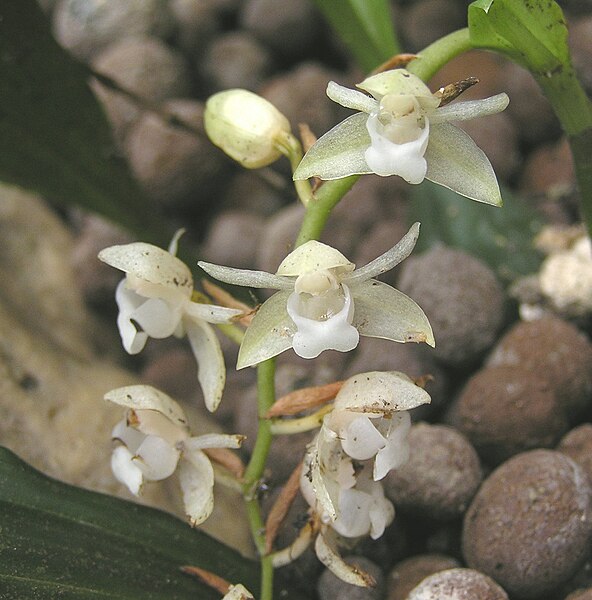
(339,153)
(156,458)
(387,261)
(211,371)
(211,313)
(455,161)
(145,397)
(214,440)
(173,246)
(270,332)
(350,98)
(125,470)
(384,312)
(470,109)
(348,573)
(254,279)
(196,477)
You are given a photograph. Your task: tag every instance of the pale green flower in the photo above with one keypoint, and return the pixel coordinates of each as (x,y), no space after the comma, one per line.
(400,130)
(324,303)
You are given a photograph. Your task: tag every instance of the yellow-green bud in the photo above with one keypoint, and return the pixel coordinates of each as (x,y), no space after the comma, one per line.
(247,127)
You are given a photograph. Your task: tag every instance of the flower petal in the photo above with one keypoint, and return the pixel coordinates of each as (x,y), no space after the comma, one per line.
(387,261)
(348,573)
(196,477)
(156,458)
(379,392)
(360,439)
(150,264)
(210,313)
(211,371)
(470,109)
(338,153)
(270,332)
(157,318)
(152,422)
(255,279)
(350,98)
(131,438)
(125,470)
(313,256)
(455,161)
(396,451)
(145,397)
(399,81)
(127,301)
(384,312)
(353,517)
(314,336)
(238,592)
(386,157)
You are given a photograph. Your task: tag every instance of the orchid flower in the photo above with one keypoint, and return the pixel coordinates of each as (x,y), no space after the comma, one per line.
(402,130)
(370,418)
(324,303)
(153,441)
(154,300)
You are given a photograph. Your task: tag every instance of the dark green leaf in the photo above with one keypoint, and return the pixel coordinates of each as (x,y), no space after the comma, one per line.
(54,137)
(501,237)
(58,541)
(365,26)
(531,32)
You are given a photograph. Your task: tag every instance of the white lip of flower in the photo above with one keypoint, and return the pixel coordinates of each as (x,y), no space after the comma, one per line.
(325,303)
(401,131)
(154,440)
(370,418)
(154,300)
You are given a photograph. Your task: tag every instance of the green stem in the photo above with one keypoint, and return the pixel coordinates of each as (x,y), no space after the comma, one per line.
(581,147)
(319,209)
(436,55)
(291,147)
(254,472)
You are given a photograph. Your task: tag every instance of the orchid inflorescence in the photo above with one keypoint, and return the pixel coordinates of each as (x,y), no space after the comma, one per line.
(321,302)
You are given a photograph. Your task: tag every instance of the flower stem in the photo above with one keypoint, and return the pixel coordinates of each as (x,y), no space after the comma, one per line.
(320,207)
(254,472)
(431,59)
(291,147)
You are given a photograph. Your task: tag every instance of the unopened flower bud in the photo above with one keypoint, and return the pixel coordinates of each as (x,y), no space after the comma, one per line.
(246,127)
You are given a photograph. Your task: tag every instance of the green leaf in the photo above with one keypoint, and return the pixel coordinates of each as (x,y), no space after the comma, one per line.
(366,28)
(501,237)
(531,32)
(59,541)
(54,137)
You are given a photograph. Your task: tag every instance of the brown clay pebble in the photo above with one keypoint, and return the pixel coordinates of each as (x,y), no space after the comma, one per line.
(577,444)
(441,476)
(458,584)
(462,299)
(580,595)
(507,410)
(530,524)
(555,350)
(409,573)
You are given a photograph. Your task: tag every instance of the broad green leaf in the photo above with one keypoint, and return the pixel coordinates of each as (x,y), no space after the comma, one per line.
(54,137)
(366,28)
(531,32)
(501,237)
(59,541)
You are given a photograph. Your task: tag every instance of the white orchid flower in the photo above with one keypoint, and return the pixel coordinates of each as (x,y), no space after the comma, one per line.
(154,441)
(324,303)
(238,592)
(154,300)
(359,506)
(370,418)
(401,130)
